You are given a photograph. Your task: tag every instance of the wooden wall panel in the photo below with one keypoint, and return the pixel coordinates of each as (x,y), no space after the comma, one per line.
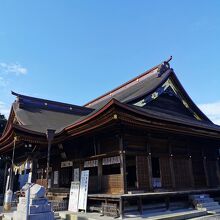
(112,184)
(93,184)
(109,144)
(142,173)
(134,142)
(165,172)
(212,173)
(182,174)
(198,173)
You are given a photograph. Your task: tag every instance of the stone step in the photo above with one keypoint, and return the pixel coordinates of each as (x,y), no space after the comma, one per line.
(199,196)
(209,208)
(206,200)
(212,208)
(179,216)
(57,216)
(208,204)
(216,211)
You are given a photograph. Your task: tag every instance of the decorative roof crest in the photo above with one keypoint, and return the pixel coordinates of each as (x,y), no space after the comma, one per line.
(164,67)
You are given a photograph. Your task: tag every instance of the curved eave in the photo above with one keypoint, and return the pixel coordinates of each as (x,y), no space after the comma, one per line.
(92,117)
(180,123)
(125,107)
(189,98)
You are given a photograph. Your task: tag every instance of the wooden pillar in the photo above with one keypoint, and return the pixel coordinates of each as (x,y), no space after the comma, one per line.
(205,168)
(100,175)
(171,165)
(121,208)
(218,171)
(34,169)
(123,163)
(190,166)
(140,205)
(191,172)
(149,163)
(167,202)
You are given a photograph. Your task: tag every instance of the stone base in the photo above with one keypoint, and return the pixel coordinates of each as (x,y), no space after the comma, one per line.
(34,209)
(39,216)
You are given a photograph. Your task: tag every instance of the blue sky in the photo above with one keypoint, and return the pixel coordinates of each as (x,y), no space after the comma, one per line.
(73,51)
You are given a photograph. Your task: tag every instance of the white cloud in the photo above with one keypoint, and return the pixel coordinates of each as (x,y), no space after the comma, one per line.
(3,82)
(13,68)
(212,110)
(4,110)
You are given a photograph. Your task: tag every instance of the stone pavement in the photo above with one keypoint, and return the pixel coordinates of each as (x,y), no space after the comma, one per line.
(165,215)
(210,217)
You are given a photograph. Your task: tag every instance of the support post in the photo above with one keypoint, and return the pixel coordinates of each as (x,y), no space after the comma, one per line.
(100,175)
(123,163)
(50,136)
(149,163)
(218,170)
(190,166)
(121,203)
(140,205)
(191,172)
(171,165)
(205,168)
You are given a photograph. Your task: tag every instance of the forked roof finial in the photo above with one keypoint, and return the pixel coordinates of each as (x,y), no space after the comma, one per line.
(164,67)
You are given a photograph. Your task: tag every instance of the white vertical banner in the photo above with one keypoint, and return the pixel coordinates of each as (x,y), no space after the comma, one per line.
(74,197)
(83,192)
(29,177)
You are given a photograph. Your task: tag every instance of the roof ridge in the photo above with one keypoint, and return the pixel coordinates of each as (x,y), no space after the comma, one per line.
(46,101)
(127,83)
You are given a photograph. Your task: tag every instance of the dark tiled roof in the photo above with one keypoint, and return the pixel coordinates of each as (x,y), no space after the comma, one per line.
(38,115)
(137,88)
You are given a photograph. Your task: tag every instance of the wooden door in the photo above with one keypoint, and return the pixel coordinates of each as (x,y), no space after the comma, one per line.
(142,173)
(165,170)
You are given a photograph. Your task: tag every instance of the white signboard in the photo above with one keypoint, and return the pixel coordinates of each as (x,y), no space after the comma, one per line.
(76,174)
(74,197)
(66,164)
(91,163)
(55,177)
(83,192)
(111,160)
